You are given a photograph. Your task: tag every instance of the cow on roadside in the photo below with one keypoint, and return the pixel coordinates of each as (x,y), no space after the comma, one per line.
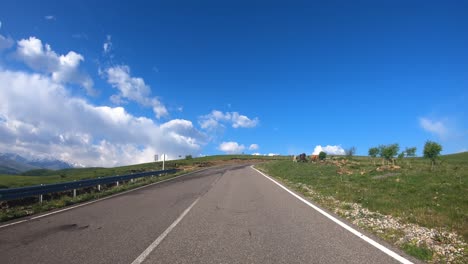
(314,158)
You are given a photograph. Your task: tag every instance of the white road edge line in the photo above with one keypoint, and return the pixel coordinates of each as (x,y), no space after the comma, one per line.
(161,237)
(95,201)
(345,226)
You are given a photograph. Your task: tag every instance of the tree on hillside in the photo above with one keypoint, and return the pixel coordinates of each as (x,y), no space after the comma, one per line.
(322,155)
(389,151)
(432,151)
(401,155)
(410,152)
(350,152)
(373,152)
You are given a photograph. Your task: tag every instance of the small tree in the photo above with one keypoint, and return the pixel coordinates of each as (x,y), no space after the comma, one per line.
(410,152)
(322,155)
(389,151)
(188,157)
(401,156)
(432,151)
(350,152)
(373,152)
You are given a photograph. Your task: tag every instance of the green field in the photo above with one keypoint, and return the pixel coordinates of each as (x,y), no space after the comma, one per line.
(413,193)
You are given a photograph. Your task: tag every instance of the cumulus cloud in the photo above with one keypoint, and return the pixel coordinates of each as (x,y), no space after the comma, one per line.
(435,127)
(107,46)
(134,89)
(330,150)
(254,147)
(5,42)
(62,68)
(231,147)
(39,117)
(216,119)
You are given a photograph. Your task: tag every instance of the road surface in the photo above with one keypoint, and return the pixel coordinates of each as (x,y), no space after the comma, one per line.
(230,214)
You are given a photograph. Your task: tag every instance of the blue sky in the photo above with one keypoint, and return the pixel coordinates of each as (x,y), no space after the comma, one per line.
(206,77)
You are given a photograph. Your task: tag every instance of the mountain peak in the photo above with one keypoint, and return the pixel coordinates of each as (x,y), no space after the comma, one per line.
(11,163)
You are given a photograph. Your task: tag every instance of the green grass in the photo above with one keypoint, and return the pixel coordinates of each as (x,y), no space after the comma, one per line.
(434,199)
(422,253)
(36,177)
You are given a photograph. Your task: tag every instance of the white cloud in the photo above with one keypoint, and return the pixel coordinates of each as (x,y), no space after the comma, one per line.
(49,17)
(242,121)
(231,147)
(330,150)
(63,68)
(273,154)
(254,147)
(107,46)
(216,118)
(5,42)
(39,117)
(435,127)
(134,89)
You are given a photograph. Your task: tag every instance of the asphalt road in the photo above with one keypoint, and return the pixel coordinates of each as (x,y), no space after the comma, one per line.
(237,216)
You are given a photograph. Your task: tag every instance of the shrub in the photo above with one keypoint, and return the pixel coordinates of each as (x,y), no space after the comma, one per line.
(322,155)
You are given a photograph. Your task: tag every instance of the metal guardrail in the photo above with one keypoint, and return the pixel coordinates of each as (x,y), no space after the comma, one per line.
(39,190)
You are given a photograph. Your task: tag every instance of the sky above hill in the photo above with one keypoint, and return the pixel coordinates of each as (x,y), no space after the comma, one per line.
(104,83)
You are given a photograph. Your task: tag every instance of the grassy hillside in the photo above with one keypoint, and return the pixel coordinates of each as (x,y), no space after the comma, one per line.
(456,158)
(36,177)
(411,193)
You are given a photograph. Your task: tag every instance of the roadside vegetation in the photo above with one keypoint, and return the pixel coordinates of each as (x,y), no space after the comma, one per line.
(29,206)
(419,204)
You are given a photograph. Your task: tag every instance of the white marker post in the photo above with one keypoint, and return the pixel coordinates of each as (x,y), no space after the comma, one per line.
(164,160)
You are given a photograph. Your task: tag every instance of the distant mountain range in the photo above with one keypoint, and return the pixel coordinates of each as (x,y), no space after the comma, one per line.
(11,163)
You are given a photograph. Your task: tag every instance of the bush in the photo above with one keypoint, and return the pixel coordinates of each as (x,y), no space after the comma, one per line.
(322,155)
(188,157)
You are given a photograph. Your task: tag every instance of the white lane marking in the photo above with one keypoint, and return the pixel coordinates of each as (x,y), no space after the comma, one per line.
(345,226)
(13,223)
(95,201)
(161,237)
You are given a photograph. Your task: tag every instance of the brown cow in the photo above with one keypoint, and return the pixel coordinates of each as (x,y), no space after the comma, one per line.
(314,157)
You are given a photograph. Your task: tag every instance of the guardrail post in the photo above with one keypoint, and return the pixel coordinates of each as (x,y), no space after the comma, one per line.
(74,193)
(40,198)
(99,187)
(117,184)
